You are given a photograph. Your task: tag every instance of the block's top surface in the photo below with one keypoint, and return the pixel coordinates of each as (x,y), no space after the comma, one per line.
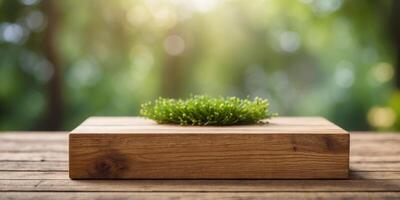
(277,125)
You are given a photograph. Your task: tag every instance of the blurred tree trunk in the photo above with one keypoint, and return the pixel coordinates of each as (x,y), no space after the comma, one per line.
(171,85)
(172,73)
(394,25)
(53,117)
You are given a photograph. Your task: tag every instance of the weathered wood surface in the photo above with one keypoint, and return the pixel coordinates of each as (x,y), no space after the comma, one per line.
(35,166)
(138,148)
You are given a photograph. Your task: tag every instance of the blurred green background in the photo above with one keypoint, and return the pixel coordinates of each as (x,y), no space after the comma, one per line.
(62,61)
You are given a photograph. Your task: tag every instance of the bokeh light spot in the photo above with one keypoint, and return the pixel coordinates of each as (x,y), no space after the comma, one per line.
(289,41)
(35,21)
(381,117)
(43,70)
(174,45)
(383,72)
(12,33)
(84,73)
(344,74)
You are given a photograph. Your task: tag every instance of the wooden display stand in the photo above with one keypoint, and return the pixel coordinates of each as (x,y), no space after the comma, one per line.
(137,148)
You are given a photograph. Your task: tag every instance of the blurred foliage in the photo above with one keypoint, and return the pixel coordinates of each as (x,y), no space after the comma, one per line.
(309,57)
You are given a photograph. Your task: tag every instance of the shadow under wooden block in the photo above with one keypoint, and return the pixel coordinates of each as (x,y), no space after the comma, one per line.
(137,148)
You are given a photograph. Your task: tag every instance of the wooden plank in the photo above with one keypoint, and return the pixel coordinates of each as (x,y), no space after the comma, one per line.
(197,195)
(34,166)
(34,156)
(34,175)
(201,185)
(374,166)
(376,136)
(34,142)
(135,148)
(376,175)
(38,175)
(33,147)
(380,158)
(34,136)
(132,125)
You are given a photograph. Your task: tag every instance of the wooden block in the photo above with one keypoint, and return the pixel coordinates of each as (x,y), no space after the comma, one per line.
(137,148)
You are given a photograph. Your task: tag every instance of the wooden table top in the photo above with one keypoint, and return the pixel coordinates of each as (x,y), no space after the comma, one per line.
(34,165)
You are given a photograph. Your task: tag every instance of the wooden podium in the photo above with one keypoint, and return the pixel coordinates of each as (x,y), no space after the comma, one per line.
(138,148)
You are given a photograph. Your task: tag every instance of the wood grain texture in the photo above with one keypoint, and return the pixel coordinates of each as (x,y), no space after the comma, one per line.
(374,165)
(63,175)
(135,148)
(67,185)
(138,125)
(201,195)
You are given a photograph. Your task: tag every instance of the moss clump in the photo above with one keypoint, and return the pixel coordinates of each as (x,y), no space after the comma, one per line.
(204,110)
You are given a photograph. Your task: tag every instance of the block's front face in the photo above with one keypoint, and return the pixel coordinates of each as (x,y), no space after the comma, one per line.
(132,148)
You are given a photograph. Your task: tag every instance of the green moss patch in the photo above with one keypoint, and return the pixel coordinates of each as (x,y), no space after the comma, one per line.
(205,110)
